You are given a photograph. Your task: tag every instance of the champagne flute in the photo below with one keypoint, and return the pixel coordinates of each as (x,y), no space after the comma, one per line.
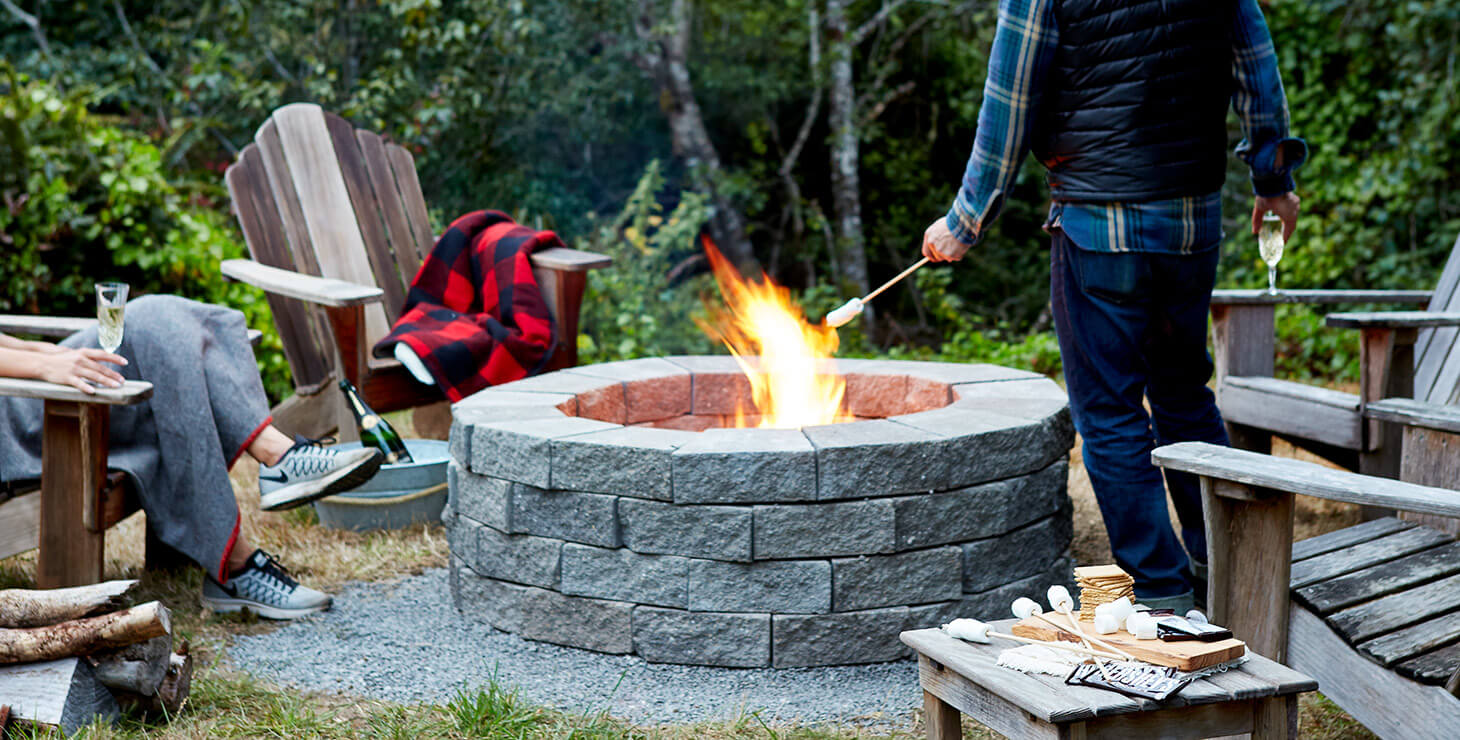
(111,303)
(1270,246)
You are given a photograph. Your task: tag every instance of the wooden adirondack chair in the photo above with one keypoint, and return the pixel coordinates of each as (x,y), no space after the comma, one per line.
(334,219)
(67,512)
(1409,354)
(1370,611)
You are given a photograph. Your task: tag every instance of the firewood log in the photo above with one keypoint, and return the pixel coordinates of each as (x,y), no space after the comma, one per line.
(138,668)
(60,693)
(85,636)
(24,608)
(171,694)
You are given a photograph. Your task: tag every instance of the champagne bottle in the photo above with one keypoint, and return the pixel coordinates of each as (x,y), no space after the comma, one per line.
(375,431)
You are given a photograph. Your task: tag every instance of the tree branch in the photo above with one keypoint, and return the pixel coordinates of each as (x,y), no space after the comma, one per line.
(813,109)
(32,22)
(866,29)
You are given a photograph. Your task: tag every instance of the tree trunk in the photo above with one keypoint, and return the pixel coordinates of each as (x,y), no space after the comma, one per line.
(845,153)
(85,636)
(23,608)
(666,61)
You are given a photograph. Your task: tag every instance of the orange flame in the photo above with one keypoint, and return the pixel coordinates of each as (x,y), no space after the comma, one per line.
(783,355)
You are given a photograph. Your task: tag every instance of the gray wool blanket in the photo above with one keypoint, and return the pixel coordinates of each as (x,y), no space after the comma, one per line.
(207,403)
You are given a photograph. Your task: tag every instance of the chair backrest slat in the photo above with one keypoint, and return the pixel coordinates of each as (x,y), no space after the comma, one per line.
(410,190)
(329,216)
(1436,358)
(307,349)
(367,212)
(392,206)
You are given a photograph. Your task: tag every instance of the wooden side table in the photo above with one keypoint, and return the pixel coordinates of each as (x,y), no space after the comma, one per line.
(1258,697)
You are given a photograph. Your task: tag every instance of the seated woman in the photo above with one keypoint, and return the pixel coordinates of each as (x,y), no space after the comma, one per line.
(207,408)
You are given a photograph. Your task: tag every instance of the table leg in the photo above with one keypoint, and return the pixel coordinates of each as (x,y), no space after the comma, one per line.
(1276,718)
(73,473)
(943,721)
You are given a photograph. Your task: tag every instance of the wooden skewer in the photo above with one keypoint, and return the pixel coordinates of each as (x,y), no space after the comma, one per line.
(1056,645)
(1081,635)
(867,298)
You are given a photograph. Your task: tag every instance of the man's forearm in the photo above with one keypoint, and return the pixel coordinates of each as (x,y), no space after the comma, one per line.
(1261,105)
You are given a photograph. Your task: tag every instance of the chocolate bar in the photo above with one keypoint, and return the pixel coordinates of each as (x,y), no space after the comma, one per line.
(1157,683)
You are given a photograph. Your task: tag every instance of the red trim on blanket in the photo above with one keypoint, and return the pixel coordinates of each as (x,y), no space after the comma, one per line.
(244,447)
(228,550)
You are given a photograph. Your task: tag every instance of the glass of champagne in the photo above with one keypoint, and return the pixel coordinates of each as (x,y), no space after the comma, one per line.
(1270,246)
(111,302)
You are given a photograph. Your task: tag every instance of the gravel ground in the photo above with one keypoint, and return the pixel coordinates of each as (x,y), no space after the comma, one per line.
(405,642)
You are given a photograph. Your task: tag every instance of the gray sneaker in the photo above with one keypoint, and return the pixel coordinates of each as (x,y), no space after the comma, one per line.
(264,588)
(309,471)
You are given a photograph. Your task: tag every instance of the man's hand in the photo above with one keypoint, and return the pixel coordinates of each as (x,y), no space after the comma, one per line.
(1286,208)
(80,368)
(939,244)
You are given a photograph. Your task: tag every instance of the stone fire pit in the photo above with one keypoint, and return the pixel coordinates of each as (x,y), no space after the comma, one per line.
(588,509)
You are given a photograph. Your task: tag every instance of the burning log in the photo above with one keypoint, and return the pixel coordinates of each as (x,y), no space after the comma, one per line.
(85,636)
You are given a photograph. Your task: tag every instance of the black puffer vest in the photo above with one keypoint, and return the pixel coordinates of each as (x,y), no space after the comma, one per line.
(1135,107)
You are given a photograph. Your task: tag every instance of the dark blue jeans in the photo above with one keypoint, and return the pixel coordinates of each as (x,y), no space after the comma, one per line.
(1132,326)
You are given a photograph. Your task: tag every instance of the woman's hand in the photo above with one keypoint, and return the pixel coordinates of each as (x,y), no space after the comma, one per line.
(79,368)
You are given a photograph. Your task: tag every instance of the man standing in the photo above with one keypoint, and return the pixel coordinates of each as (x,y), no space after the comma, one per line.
(1125,104)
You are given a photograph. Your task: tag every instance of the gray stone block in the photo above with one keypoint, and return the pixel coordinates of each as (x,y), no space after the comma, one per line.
(1024,552)
(623,575)
(483,498)
(517,557)
(461,539)
(838,639)
(990,446)
(787,586)
(487,600)
(917,577)
(878,458)
(995,603)
(710,532)
(561,382)
(520,450)
(745,466)
(1038,387)
(633,461)
(980,511)
(459,441)
(494,405)
(575,621)
(589,518)
(823,530)
(954,372)
(702,638)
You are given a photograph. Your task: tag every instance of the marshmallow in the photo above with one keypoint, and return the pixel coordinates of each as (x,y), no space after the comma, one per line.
(845,313)
(1146,630)
(1121,608)
(1060,599)
(1025,607)
(1195,615)
(968,629)
(1133,622)
(1106,623)
(1106,609)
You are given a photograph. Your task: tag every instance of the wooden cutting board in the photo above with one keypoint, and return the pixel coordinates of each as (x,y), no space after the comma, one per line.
(1186,655)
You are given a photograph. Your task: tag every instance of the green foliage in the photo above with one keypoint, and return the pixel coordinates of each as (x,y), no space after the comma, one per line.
(86,200)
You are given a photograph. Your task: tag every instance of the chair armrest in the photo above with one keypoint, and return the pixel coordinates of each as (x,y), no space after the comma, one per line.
(569,260)
(65,326)
(1410,412)
(131,392)
(322,291)
(44,326)
(1296,476)
(1259,297)
(1393,319)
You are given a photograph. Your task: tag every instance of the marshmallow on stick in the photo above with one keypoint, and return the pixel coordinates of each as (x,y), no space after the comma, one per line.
(849,310)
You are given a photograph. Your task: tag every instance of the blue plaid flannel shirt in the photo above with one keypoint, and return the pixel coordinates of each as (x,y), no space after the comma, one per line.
(1024,48)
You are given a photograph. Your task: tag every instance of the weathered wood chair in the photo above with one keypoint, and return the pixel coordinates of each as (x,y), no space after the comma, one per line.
(67,512)
(334,219)
(1371,611)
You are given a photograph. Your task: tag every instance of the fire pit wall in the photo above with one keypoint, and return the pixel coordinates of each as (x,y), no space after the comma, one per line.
(576,518)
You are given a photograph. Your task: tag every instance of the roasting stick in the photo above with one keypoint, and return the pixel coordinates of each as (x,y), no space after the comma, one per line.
(849,310)
(976,631)
(1083,636)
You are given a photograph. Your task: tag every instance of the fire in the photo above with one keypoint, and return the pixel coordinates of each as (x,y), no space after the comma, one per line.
(783,355)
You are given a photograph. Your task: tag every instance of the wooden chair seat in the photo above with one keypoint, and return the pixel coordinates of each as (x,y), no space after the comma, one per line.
(1389,588)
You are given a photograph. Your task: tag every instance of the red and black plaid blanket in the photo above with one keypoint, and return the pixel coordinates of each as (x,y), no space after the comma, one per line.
(475,314)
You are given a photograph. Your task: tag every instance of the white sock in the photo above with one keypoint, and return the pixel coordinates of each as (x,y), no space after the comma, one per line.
(412,361)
